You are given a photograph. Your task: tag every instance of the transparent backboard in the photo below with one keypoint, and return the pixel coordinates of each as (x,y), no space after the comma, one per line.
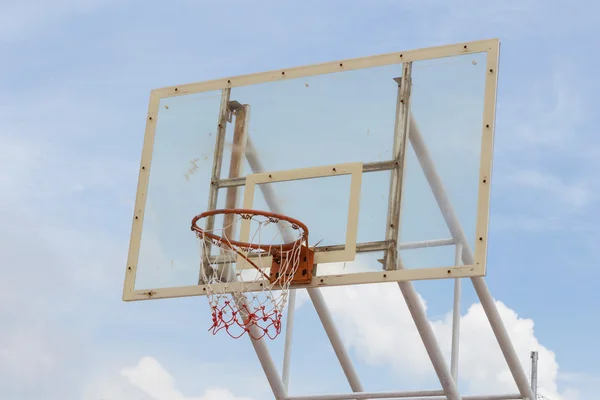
(320,117)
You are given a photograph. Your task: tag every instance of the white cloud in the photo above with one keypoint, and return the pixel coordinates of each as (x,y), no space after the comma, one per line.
(574,194)
(374,319)
(149,380)
(551,111)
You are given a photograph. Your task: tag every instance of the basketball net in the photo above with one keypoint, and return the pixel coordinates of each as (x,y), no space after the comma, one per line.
(230,269)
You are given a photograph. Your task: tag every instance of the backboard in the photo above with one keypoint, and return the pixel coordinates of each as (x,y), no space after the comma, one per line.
(355,149)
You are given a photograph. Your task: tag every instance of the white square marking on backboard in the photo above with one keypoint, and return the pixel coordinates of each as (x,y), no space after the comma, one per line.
(353,169)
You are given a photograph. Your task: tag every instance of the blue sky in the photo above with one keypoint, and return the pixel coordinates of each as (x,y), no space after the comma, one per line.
(74,86)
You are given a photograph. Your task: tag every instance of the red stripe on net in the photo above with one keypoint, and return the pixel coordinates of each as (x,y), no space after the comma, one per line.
(237,323)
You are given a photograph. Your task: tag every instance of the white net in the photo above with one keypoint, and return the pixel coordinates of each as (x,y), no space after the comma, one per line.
(270,258)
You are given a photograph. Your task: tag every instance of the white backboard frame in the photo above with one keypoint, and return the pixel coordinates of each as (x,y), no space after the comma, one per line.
(476,267)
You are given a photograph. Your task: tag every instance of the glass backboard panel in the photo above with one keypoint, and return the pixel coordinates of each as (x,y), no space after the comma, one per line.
(447,105)
(177,190)
(314,121)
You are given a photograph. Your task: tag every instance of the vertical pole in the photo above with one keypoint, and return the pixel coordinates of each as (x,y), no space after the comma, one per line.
(534,371)
(240,137)
(289,329)
(213,191)
(397,173)
(456,317)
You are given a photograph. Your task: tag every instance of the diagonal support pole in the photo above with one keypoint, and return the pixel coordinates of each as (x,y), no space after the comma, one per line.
(336,340)
(417,311)
(315,294)
(260,347)
(487,301)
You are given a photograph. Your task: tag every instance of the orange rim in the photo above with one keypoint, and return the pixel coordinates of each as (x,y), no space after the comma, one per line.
(247,214)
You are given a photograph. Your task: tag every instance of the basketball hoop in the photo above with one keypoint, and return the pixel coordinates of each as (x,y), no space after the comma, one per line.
(276,256)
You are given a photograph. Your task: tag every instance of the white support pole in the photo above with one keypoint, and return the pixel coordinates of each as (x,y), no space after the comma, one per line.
(314,293)
(425,244)
(289,329)
(419,395)
(263,354)
(429,340)
(426,394)
(456,318)
(336,341)
(268,365)
(487,301)
(534,371)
